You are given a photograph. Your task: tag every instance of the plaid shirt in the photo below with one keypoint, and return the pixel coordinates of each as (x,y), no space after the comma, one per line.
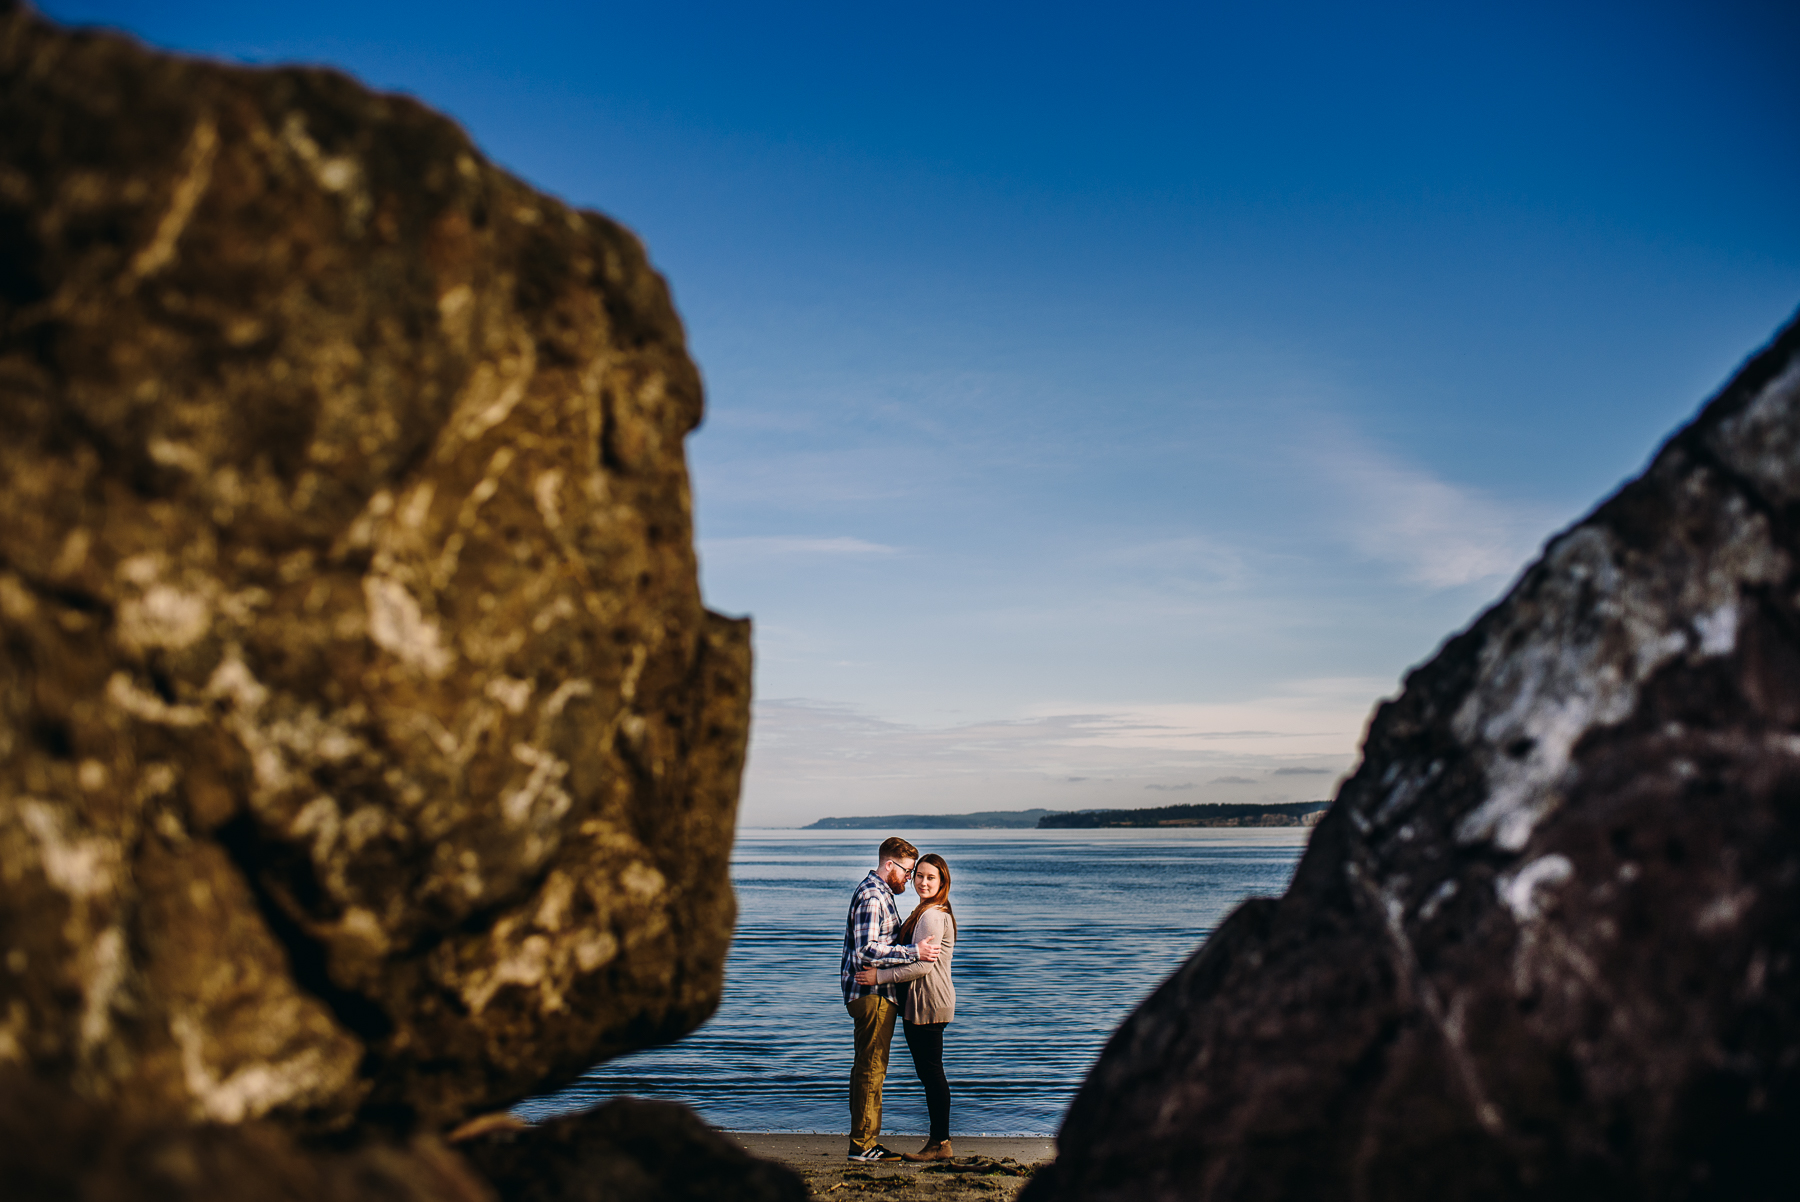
(869,939)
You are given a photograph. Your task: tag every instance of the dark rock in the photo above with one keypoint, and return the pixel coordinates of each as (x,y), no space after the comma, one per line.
(365,747)
(628,1150)
(1544,943)
(57,1146)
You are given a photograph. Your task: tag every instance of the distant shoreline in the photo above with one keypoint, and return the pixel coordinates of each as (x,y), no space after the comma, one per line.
(1288,813)
(1217,814)
(983,820)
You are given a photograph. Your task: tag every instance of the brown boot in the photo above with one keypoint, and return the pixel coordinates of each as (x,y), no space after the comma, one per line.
(941,1151)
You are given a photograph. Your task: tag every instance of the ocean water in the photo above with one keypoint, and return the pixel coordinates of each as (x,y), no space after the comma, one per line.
(1060,935)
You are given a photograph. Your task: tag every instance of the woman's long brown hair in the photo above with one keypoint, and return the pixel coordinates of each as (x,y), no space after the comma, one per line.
(941,898)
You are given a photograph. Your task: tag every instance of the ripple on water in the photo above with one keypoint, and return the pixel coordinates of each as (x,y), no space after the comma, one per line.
(1060,935)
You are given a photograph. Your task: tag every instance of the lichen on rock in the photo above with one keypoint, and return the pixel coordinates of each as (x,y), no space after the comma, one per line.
(365,746)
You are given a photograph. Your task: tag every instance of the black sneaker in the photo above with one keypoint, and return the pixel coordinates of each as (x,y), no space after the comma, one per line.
(872,1154)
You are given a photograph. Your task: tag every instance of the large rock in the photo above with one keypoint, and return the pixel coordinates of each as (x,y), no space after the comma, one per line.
(1544,943)
(364,745)
(628,1150)
(54,1146)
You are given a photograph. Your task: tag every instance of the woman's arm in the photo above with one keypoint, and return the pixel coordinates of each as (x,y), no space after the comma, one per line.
(909,972)
(943,929)
(933,924)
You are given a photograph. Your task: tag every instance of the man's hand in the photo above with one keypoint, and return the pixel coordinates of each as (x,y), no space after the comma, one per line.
(928,950)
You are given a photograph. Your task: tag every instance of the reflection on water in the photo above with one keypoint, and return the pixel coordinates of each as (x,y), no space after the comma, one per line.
(1061,933)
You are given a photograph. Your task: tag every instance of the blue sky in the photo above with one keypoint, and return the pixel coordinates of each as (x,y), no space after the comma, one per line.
(1109,403)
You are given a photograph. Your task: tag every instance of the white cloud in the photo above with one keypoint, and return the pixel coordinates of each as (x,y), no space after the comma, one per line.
(1440,534)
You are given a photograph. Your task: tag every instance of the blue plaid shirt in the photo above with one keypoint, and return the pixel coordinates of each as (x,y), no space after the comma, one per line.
(869,939)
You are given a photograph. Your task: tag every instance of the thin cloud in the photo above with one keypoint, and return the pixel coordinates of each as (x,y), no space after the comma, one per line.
(1302,772)
(815,482)
(810,758)
(770,547)
(1189,561)
(1439,534)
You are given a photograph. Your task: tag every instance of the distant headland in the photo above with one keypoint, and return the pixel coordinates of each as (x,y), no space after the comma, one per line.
(1287,813)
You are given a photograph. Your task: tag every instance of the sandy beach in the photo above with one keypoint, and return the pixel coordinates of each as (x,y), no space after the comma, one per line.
(986,1167)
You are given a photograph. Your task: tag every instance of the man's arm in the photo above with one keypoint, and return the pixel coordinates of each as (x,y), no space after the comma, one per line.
(873,950)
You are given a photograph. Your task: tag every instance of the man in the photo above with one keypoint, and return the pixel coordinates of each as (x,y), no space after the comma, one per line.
(869,934)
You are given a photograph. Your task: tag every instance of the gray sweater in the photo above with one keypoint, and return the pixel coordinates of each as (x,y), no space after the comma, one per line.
(931,998)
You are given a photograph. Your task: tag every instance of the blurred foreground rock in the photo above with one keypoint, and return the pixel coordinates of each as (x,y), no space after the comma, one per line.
(627,1150)
(1544,944)
(366,753)
(56,1146)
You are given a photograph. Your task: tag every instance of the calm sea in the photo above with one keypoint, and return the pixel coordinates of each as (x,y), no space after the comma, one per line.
(1060,934)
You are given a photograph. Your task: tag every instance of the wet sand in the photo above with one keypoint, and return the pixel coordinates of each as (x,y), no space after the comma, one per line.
(986,1167)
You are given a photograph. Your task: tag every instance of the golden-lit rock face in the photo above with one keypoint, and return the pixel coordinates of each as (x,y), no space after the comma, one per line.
(364,743)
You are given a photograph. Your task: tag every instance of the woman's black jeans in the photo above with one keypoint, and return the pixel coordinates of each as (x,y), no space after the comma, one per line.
(926,1043)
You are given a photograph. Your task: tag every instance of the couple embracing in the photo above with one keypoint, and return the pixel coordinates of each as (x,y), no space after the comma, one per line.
(899,969)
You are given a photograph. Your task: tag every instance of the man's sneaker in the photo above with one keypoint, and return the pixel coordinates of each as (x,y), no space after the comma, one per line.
(872,1154)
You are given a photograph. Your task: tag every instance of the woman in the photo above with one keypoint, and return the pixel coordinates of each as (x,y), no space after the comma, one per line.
(930,997)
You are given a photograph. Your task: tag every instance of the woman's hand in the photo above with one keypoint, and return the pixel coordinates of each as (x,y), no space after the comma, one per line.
(866,977)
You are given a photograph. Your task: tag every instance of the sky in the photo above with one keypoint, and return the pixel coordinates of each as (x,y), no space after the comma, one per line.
(1108,404)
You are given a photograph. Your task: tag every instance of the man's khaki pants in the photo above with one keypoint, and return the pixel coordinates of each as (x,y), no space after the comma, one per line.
(874,1018)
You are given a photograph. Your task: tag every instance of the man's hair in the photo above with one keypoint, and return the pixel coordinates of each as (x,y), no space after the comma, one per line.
(896,848)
